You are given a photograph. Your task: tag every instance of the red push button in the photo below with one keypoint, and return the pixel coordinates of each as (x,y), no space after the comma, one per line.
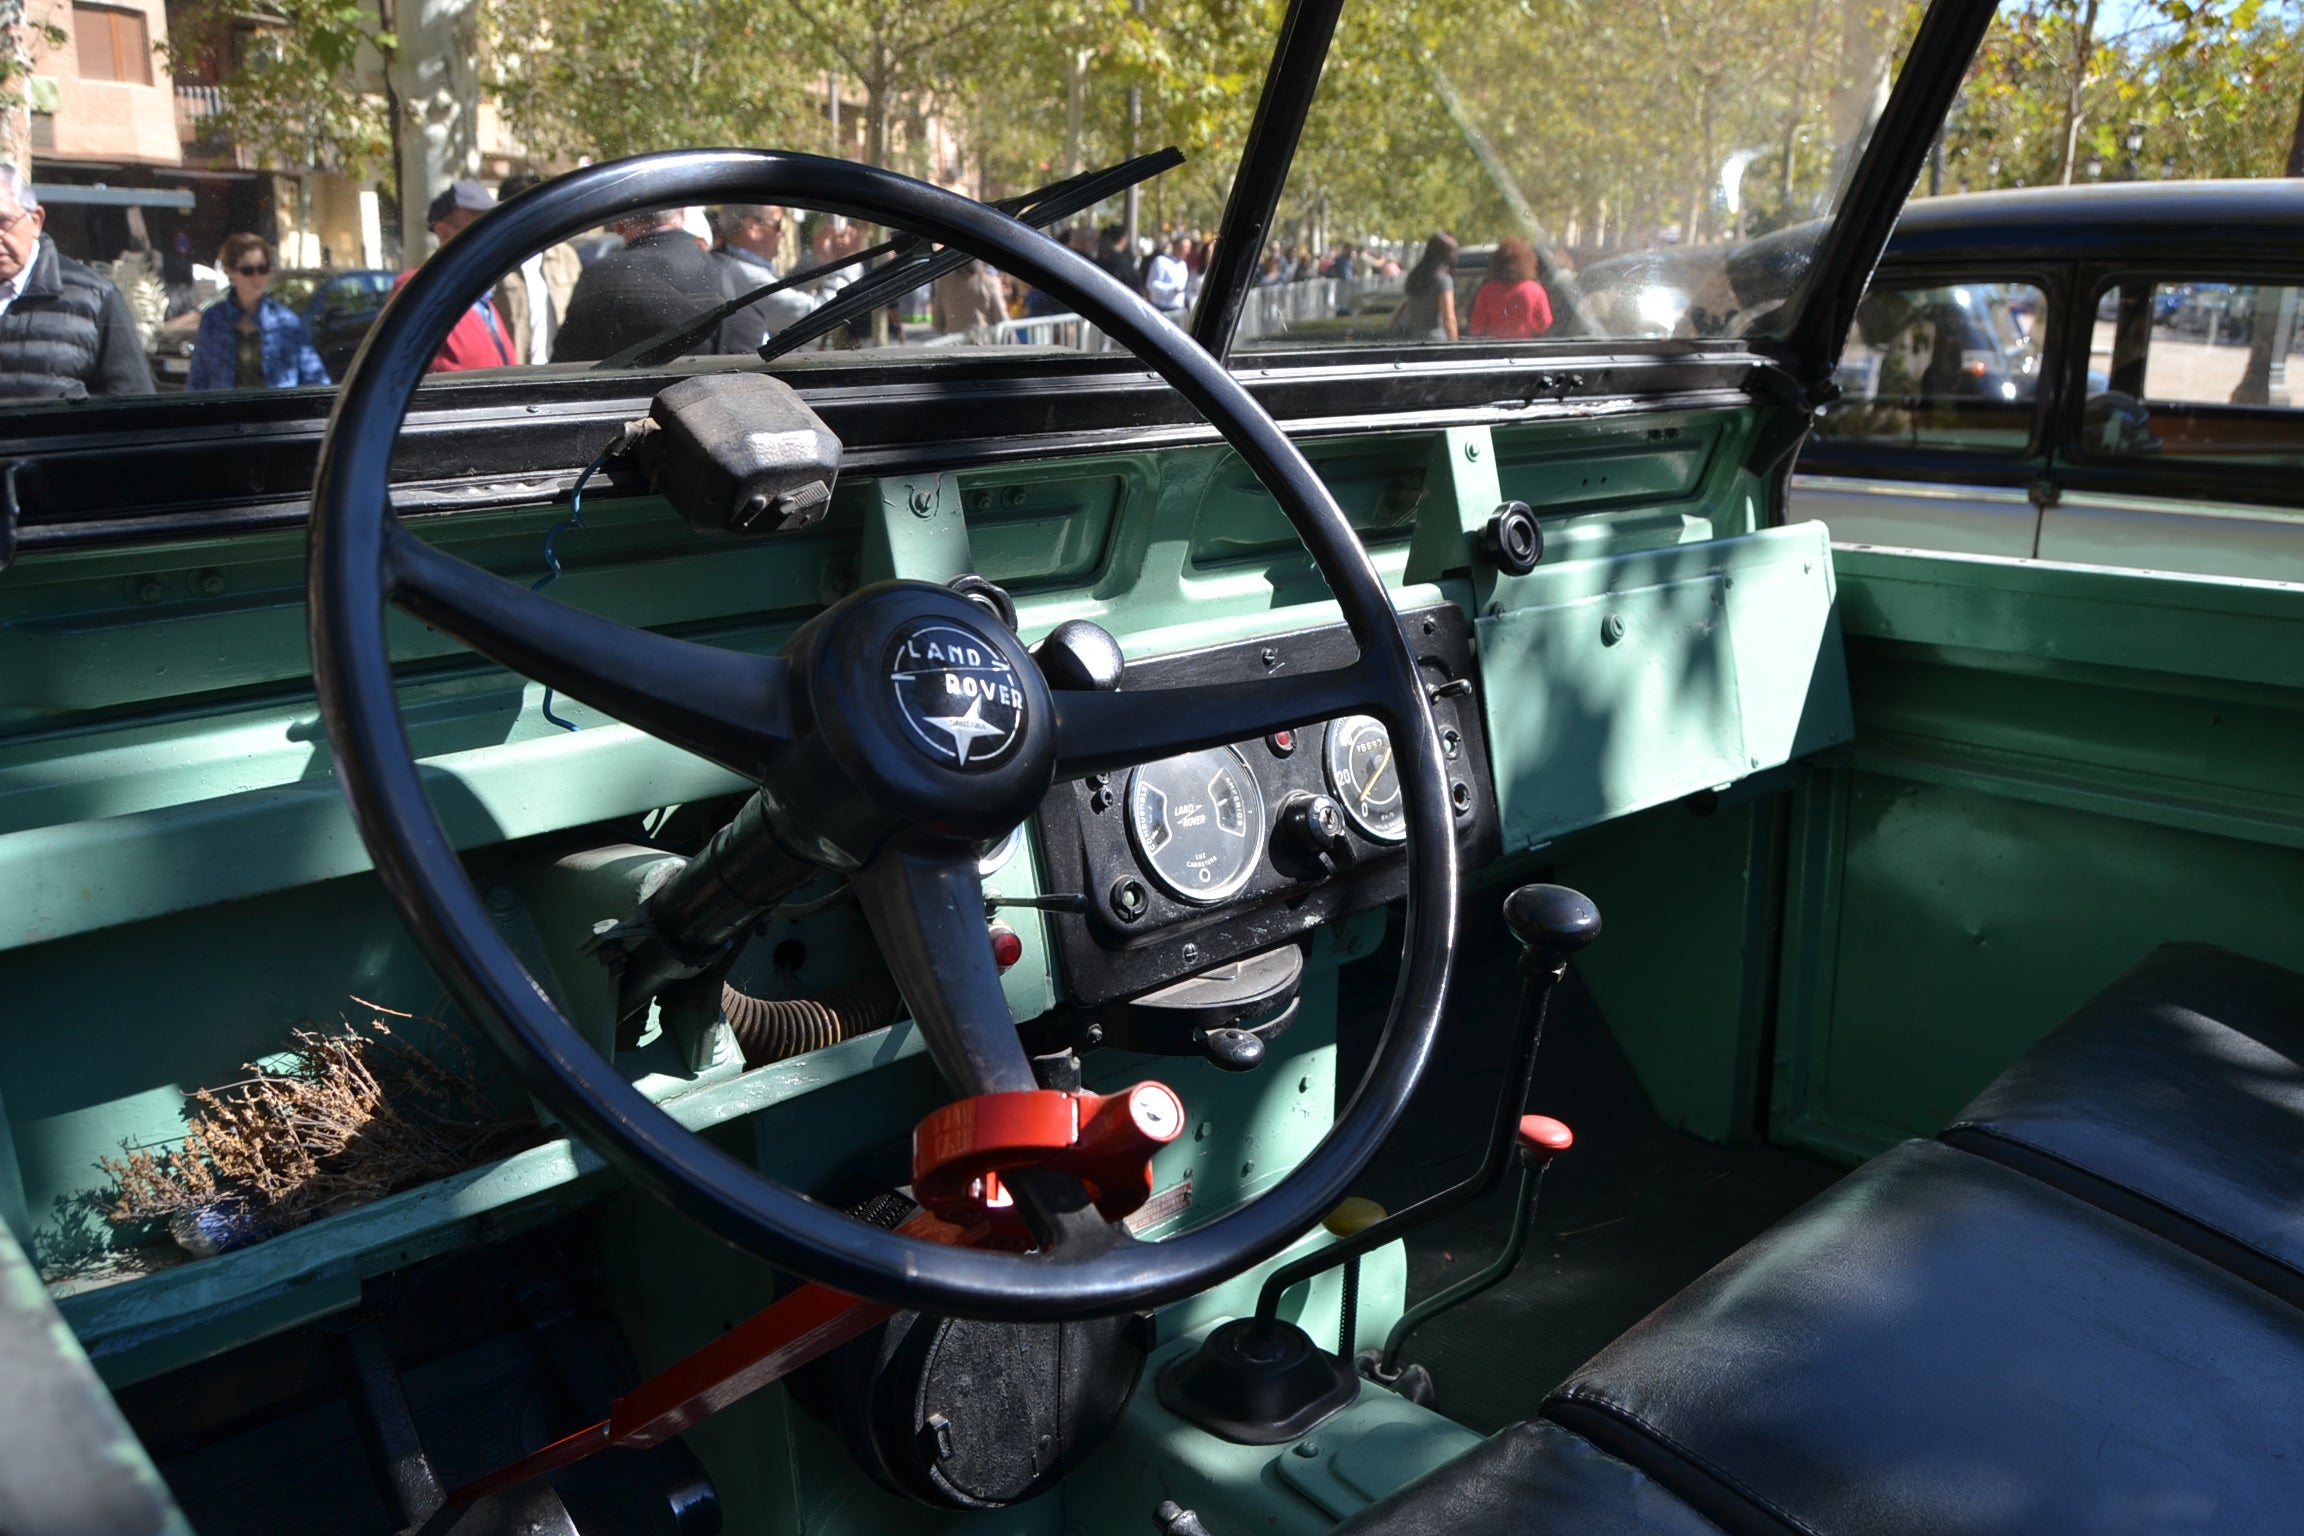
(1007,948)
(1281,742)
(1541,1136)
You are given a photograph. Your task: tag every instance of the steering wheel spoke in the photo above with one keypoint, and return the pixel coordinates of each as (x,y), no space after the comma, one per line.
(728,708)
(926,908)
(1098,732)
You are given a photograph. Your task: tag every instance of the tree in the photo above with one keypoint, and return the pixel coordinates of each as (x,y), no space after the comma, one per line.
(291,92)
(18,35)
(592,78)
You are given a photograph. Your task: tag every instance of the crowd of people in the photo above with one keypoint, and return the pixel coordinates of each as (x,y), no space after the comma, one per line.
(66,332)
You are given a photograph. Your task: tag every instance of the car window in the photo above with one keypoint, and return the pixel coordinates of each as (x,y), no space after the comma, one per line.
(2196,370)
(1953,365)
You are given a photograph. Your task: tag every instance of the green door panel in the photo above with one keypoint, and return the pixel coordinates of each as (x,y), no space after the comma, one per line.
(1618,684)
(1965,924)
(2055,770)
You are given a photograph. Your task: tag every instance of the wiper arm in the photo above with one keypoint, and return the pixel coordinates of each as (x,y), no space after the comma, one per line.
(1057,200)
(911,265)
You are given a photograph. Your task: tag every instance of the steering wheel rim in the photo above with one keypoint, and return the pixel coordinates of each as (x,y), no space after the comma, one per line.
(349,591)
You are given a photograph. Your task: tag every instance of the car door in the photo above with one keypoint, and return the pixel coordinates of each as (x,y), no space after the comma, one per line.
(1937,439)
(2180,447)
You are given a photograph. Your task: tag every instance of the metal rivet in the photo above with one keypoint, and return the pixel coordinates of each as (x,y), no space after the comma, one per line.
(1270,656)
(1611,629)
(924,503)
(1472,450)
(1014,496)
(1450,745)
(1191,953)
(209,583)
(1307,1447)
(979,501)
(1094,1034)
(147,589)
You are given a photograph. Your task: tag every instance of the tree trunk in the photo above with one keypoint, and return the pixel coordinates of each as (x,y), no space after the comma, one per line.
(2255,386)
(1860,94)
(2083,46)
(435,74)
(1075,109)
(16,116)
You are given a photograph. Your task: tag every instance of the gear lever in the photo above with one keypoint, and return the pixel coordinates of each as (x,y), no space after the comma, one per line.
(1259,1380)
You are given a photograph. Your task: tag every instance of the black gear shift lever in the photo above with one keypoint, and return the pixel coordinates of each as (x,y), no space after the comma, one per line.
(1258,1380)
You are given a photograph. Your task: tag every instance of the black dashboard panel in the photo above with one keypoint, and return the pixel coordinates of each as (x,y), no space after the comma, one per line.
(1141,845)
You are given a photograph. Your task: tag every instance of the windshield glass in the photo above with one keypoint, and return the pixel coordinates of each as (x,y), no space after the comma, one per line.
(1553,168)
(228,193)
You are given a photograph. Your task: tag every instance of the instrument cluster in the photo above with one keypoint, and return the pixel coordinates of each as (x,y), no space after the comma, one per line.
(1198,859)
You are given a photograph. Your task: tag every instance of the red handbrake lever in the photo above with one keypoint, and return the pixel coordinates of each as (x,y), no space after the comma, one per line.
(957,1154)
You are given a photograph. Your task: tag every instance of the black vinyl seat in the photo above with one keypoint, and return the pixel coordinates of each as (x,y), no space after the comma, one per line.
(2174,1098)
(2082,1311)
(1937,1344)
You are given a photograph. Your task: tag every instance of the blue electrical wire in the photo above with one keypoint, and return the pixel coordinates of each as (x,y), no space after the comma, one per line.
(574,519)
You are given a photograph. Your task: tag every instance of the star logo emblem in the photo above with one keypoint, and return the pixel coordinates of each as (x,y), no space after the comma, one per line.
(965,729)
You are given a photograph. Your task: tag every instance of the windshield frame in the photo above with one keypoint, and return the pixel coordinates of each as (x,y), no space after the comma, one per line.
(114,470)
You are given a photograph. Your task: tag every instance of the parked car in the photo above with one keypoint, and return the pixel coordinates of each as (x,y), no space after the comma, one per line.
(2096,375)
(338,307)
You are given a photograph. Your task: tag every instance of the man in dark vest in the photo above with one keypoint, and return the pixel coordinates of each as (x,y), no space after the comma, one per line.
(65,333)
(659,278)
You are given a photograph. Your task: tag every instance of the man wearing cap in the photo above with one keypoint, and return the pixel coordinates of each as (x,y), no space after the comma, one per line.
(480,338)
(659,279)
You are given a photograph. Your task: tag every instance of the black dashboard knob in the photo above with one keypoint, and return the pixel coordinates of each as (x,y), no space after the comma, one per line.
(1513,541)
(1313,826)
(1079,655)
(1551,921)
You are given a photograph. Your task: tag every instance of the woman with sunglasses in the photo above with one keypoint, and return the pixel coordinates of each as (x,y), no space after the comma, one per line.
(248,339)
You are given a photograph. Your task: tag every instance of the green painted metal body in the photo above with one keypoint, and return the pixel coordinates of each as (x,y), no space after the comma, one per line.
(1863,825)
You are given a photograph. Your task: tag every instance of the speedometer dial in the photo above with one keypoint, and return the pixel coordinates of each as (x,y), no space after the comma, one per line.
(1198,822)
(1365,779)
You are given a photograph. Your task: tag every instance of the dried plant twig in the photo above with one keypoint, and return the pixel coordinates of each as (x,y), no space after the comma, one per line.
(353,1114)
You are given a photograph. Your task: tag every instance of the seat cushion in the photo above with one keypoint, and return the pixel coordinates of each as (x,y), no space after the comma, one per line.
(1941,1344)
(1938,1344)
(1531,1477)
(2175,1098)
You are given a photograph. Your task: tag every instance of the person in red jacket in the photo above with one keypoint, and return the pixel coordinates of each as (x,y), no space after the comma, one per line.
(480,339)
(1511,303)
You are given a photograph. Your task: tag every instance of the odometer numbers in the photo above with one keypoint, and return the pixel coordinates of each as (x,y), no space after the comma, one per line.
(1364,778)
(1198,823)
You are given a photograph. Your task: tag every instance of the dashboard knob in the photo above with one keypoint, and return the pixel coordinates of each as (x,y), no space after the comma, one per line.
(1079,655)
(1513,541)
(1313,826)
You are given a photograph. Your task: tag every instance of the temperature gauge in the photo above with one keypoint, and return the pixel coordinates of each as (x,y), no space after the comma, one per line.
(1365,779)
(1198,822)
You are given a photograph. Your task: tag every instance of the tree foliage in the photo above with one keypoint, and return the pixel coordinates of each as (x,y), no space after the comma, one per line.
(291,96)
(1593,122)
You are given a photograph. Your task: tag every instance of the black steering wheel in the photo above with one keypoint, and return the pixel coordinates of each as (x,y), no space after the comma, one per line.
(850,778)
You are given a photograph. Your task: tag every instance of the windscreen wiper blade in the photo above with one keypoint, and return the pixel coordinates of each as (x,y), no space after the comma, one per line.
(910,266)
(1058,200)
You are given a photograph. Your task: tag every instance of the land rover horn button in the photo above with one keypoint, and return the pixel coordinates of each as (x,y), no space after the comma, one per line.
(957,694)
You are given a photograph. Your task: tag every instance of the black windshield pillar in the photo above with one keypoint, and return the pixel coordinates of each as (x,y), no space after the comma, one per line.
(1931,76)
(1287,100)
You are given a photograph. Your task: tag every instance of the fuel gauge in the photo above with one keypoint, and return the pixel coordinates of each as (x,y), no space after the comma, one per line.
(1365,779)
